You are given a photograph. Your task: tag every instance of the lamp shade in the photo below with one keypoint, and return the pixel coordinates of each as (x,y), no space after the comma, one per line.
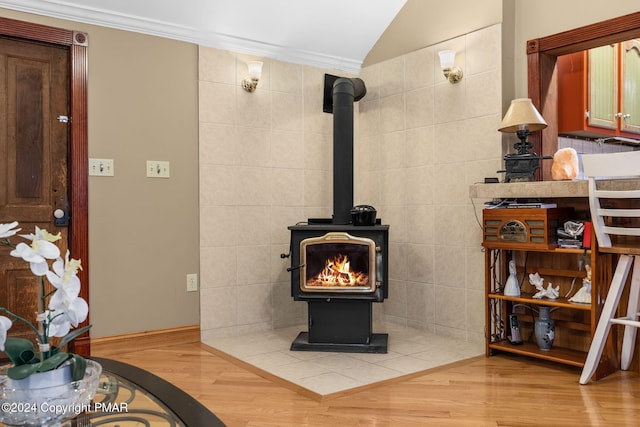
(522,115)
(447,58)
(255,69)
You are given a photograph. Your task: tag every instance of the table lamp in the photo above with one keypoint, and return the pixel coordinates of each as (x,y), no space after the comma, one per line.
(522,118)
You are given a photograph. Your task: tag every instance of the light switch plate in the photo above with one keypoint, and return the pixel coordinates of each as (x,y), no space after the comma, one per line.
(101,167)
(192,282)
(158,169)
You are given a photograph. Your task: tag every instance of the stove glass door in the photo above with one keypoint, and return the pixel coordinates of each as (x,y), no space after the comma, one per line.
(337,262)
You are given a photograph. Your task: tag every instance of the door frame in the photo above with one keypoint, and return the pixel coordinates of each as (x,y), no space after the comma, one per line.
(77,44)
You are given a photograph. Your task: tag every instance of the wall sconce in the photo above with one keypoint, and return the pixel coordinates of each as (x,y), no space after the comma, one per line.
(255,71)
(447,61)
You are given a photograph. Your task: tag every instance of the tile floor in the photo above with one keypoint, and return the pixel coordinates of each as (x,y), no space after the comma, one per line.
(409,351)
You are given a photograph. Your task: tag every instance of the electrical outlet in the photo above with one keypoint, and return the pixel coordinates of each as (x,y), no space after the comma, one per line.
(192,282)
(157,169)
(101,167)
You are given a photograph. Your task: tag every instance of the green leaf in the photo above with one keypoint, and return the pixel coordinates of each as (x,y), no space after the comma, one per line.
(53,350)
(73,335)
(79,367)
(21,351)
(22,371)
(54,362)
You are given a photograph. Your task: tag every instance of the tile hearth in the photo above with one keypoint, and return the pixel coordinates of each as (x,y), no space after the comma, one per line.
(409,351)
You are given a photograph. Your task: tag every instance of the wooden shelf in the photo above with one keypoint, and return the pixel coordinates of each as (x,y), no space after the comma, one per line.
(556,354)
(553,272)
(561,266)
(525,247)
(557,265)
(525,298)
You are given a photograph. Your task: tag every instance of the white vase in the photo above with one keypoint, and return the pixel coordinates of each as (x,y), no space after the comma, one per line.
(544,329)
(39,380)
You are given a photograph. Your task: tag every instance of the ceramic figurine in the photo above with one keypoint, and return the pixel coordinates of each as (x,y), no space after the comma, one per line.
(512,288)
(550,292)
(584,293)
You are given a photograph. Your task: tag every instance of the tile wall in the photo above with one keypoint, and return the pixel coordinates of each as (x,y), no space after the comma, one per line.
(583,146)
(422,142)
(265,163)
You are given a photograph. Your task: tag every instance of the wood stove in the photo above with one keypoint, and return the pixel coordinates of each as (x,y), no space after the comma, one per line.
(340,312)
(340,269)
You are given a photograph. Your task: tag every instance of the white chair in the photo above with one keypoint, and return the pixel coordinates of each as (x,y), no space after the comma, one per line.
(616,225)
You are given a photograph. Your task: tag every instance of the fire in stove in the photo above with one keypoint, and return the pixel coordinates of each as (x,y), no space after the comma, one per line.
(337,272)
(338,262)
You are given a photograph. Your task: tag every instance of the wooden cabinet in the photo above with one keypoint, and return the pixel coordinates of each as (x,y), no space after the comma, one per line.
(630,89)
(599,91)
(574,323)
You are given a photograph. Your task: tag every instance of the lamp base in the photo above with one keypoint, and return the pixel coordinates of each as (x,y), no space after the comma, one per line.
(249,84)
(521,167)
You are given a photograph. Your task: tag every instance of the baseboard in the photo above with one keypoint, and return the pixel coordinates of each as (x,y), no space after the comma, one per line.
(118,344)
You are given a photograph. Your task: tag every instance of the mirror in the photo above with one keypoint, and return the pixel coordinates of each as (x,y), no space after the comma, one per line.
(542,76)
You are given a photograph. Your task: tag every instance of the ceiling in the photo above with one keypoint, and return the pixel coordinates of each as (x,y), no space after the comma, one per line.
(328,33)
(332,34)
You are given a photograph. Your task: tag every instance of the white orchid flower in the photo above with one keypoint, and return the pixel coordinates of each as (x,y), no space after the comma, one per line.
(65,309)
(5,324)
(59,326)
(77,311)
(65,295)
(7,230)
(64,278)
(39,251)
(42,234)
(66,315)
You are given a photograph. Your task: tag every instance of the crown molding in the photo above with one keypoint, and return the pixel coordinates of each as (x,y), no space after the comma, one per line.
(281,53)
(93,16)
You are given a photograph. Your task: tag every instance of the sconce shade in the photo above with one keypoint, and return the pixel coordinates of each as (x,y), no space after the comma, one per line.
(447,61)
(447,58)
(522,115)
(255,69)
(255,72)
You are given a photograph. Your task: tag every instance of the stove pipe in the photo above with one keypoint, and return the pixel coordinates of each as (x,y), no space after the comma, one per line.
(345,92)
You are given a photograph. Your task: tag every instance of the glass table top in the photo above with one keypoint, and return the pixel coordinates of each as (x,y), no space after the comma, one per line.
(119,402)
(128,396)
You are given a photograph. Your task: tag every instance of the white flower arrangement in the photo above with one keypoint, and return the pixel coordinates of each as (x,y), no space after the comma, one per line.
(65,309)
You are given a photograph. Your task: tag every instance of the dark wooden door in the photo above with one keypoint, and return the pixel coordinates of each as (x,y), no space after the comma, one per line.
(34,93)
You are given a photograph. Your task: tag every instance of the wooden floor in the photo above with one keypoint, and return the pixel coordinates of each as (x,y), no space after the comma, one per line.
(505,390)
